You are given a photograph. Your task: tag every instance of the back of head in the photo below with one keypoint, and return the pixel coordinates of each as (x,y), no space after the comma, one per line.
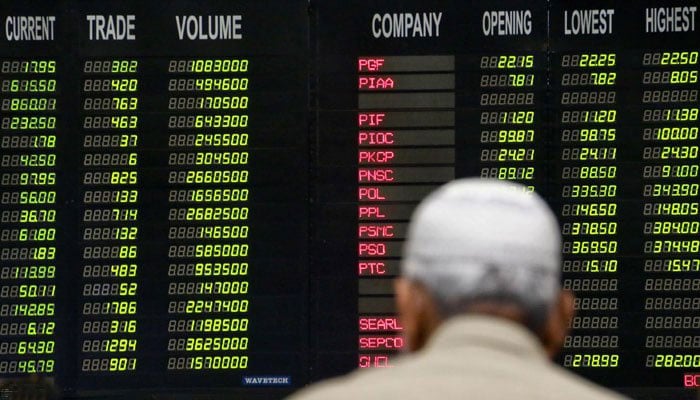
(478,241)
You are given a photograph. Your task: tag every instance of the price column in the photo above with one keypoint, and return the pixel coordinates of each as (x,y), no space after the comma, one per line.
(669,117)
(110,216)
(28,225)
(404,101)
(588,191)
(509,118)
(584,80)
(208,233)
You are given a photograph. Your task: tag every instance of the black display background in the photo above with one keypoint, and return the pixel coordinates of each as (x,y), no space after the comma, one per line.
(279,172)
(344,34)
(306,161)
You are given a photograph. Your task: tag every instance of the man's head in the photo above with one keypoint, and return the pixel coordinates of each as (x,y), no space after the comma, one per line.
(483,246)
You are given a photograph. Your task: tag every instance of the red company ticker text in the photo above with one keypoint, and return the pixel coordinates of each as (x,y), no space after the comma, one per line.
(375,156)
(370,119)
(366,138)
(371,268)
(374,212)
(373,361)
(381,342)
(375,82)
(365,175)
(691,380)
(375,231)
(365,193)
(365,249)
(379,324)
(369,64)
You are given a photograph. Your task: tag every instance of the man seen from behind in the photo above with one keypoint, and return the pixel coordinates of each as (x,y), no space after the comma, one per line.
(480,302)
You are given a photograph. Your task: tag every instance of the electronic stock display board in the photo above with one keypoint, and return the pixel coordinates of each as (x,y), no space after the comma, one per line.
(154,189)
(593,104)
(212,196)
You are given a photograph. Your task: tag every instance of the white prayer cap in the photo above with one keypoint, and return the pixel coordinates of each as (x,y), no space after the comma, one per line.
(477,239)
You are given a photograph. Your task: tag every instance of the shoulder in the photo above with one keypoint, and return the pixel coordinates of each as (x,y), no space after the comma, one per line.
(352,386)
(366,384)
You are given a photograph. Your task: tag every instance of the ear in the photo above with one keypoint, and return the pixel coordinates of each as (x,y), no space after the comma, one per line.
(417,312)
(557,325)
(403,289)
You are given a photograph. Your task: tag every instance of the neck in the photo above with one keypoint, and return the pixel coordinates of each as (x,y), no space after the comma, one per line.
(506,311)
